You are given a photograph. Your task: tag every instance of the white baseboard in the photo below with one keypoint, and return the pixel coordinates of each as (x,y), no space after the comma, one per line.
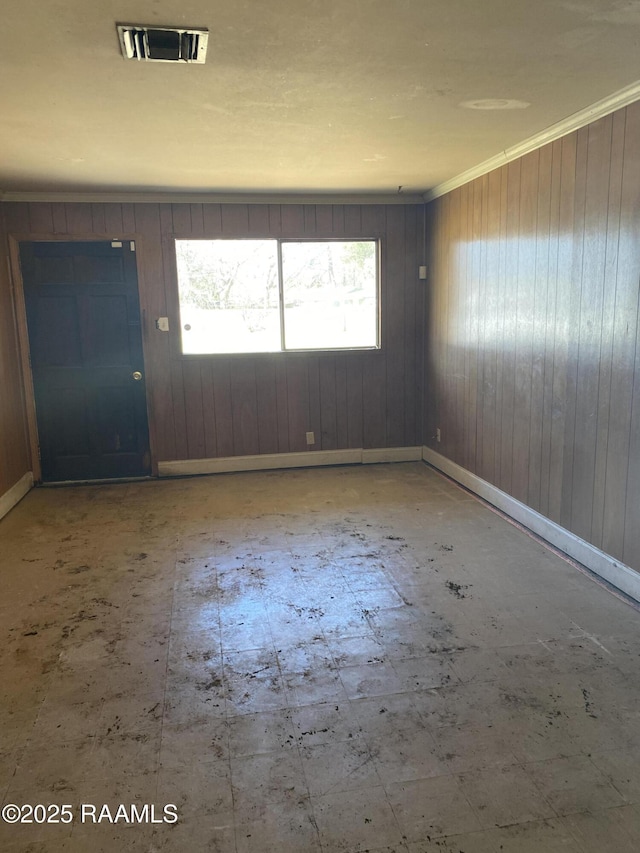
(616,573)
(15,494)
(272,461)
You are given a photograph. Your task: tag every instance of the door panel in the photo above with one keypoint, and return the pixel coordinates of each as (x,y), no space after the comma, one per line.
(108,331)
(64,348)
(83,317)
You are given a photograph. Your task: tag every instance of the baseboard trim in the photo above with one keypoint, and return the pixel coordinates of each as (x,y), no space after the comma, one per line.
(15,494)
(618,574)
(273,461)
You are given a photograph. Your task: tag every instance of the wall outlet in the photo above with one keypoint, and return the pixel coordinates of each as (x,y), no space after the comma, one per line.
(438,434)
(422,273)
(311,439)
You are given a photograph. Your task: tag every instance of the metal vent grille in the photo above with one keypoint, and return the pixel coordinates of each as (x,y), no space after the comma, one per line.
(162,44)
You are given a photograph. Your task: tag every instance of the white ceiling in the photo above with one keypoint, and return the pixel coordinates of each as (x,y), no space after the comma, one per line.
(308,96)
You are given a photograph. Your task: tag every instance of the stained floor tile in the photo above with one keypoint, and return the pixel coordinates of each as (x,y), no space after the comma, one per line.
(330,661)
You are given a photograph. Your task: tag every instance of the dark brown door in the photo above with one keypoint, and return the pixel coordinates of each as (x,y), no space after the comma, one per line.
(83,316)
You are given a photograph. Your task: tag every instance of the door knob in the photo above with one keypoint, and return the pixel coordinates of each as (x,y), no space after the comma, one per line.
(137,375)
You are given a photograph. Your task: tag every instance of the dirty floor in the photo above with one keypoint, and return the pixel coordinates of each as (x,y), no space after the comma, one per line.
(313,661)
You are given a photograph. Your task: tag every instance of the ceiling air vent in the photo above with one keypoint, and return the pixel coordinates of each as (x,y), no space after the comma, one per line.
(162,44)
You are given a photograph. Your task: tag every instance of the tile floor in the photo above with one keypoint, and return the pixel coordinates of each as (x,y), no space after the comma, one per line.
(312,661)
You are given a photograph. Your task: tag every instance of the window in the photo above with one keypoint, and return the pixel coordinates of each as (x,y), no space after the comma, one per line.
(243,296)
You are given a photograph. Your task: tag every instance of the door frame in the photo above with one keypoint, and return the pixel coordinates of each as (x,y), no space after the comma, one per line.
(22,328)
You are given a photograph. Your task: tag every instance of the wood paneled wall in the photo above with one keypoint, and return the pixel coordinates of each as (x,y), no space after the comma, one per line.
(210,406)
(533,357)
(15,458)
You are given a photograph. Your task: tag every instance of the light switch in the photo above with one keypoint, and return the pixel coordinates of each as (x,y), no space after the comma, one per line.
(162,323)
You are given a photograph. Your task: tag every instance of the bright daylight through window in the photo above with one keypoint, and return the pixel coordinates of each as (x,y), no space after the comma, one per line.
(241,296)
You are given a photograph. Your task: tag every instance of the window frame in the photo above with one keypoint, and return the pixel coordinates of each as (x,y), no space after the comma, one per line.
(279,240)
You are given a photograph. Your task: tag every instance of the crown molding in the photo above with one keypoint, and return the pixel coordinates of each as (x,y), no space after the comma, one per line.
(211,198)
(599,109)
(577,120)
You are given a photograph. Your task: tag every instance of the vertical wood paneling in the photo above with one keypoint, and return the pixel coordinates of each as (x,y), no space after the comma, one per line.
(235,220)
(328,403)
(609,292)
(225,406)
(338,219)
(180,417)
(79,219)
(550,367)
(282,405)
(411,322)
(259,220)
(623,343)
(193,400)
(437,406)
(450,260)
(267,403)
(15,458)
(17,217)
(112,220)
(244,407)
(59,213)
(353,218)
(510,320)
(40,219)
(421,321)
(591,324)
(208,410)
(309,216)
(490,346)
(501,320)
(474,262)
(275,220)
(524,305)
(212,220)
(483,390)
(98,219)
(297,403)
(181,217)
(564,321)
(197,220)
(539,326)
(314,419)
(221,377)
(129,218)
(292,220)
(373,219)
(154,263)
(393,313)
(627,332)
(631,544)
(376,414)
(324,220)
(573,349)
(458,426)
(355,408)
(341,402)
(549,326)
